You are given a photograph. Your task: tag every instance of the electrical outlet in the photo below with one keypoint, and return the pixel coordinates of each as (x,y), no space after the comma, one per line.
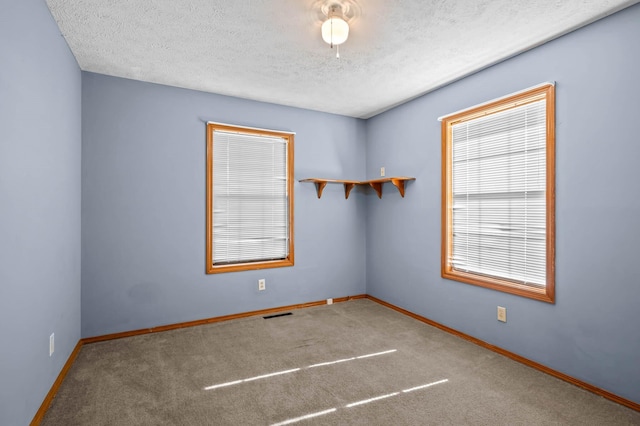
(262,284)
(382,171)
(329,301)
(502,314)
(51,343)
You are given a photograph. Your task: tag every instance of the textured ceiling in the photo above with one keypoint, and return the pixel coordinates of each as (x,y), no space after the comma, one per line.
(271,50)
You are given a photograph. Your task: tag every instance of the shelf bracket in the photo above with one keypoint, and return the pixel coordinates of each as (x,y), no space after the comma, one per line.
(399,183)
(378,188)
(347,189)
(320,187)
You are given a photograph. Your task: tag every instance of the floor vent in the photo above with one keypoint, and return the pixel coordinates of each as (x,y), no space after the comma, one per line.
(277,315)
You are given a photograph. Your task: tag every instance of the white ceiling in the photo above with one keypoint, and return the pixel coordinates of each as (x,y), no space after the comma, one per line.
(271,50)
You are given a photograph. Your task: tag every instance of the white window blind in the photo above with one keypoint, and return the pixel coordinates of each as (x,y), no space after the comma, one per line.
(250,200)
(498,195)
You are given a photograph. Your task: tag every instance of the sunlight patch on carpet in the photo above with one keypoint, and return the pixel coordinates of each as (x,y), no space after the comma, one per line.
(358,403)
(425,386)
(375,398)
(308,416)
(293,370)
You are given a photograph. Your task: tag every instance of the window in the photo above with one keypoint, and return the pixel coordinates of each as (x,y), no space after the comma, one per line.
(498,194)
(249,199)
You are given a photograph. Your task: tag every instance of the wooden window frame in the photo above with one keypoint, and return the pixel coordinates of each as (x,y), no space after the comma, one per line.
(546,294)
(211,268)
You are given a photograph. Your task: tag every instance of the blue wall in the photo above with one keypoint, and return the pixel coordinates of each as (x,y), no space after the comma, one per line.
(143,207)
(591,333)
(40,111)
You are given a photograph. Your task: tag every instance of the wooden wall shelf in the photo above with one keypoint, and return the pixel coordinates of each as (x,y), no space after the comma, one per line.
(376,184)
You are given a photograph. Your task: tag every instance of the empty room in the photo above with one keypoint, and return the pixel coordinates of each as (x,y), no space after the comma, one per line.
(319,212)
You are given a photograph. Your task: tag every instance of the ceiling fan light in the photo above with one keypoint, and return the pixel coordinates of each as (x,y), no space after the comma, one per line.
(335,31)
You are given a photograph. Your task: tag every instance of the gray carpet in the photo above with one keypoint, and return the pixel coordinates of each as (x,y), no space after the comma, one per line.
(213,375)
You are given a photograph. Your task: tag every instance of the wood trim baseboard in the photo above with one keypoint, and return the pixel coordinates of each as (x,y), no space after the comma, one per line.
(167,327)
(346,299)
(37,419)
(584,385)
